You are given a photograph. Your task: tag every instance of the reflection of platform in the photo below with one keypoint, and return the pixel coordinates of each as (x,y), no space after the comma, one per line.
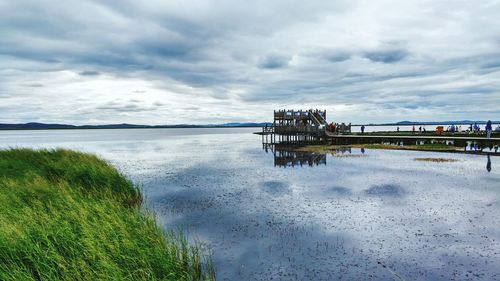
(285,157)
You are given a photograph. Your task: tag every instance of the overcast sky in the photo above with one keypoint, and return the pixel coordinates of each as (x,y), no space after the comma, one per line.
(167,62)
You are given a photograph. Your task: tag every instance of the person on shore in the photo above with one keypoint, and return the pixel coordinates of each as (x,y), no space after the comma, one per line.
(423,128)
(397,129)
(420,130)
(413,130)
(488,129)
(362,129)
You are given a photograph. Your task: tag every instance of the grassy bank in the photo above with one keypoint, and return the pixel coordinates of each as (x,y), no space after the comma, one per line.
(494,134)
(424,147)
(435,159)
(66,215)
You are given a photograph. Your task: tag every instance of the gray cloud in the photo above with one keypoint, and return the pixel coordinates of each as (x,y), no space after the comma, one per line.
(359,60)
(191,108)
(389,56)
(123,107)
(337,57)
(274,61)
(34,85)
(89,73)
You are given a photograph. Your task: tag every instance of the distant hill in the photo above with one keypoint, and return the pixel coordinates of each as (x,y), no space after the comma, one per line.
(44,126)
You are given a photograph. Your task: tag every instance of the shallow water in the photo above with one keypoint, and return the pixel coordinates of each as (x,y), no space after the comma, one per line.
(375,215)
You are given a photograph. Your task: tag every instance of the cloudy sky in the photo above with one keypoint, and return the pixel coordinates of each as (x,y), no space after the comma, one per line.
(208,61)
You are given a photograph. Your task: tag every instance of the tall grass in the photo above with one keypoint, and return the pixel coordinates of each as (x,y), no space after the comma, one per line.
(66,215)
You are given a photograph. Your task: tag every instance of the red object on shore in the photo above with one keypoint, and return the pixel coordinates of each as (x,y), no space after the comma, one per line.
(439,130)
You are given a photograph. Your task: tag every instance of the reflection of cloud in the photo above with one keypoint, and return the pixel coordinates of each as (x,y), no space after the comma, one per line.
(276,188)
(386,190)
(251,241)
(340,190)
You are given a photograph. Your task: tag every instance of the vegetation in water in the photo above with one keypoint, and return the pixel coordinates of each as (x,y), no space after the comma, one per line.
(422,147)
(435,159)
(66,215)
(334,148)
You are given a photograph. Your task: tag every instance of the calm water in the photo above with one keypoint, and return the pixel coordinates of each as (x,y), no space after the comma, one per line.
(375,215)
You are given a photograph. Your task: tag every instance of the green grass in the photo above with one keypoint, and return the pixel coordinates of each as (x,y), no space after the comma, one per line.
(430,133)
(421,147)
(66,215)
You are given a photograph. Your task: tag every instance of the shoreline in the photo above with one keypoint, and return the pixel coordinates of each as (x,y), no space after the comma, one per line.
(325,149)
(125,128)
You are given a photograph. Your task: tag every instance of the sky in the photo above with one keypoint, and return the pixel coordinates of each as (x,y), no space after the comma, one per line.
(219,61)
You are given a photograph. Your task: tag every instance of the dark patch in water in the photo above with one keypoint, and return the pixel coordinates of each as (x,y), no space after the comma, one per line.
(277,188)
(392,190)
(340,190)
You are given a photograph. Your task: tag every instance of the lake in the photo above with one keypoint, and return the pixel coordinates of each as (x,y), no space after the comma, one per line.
(353,215)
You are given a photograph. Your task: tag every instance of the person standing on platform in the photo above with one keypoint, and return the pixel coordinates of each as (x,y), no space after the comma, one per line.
(488,129)
(362,129)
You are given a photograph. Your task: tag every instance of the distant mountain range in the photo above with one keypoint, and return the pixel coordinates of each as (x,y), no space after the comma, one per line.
(43,126)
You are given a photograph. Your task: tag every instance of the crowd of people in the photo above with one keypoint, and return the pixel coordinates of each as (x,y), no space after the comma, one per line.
(339,127)
(473,128)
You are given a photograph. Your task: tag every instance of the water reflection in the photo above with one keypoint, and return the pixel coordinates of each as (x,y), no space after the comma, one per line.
(357,218)
(391,190)
(285,156)
(488,164)
(288,156)
(276,188)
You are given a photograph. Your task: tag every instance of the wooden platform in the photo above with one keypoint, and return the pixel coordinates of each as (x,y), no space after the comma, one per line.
(415,137)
